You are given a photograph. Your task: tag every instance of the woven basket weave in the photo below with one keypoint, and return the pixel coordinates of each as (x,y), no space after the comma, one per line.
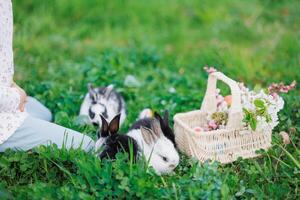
(224,145)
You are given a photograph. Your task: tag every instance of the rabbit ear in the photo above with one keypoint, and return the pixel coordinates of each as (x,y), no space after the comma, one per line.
(166,117)
(107,91)
(114,124)
(155,126)
(92,92)
(104,128)
(148,135)
(158,117)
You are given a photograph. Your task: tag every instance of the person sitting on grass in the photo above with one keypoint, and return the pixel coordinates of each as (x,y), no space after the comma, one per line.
(25,122)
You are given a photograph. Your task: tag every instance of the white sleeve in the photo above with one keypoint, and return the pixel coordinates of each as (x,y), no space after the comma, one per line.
(9,97)
(6,37)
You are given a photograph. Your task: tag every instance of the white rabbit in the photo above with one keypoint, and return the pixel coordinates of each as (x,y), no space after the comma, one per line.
(103,101)
(157,149)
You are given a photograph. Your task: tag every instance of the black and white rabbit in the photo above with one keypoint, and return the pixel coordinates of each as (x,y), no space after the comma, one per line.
(103,101)
(156,147)
(110,142)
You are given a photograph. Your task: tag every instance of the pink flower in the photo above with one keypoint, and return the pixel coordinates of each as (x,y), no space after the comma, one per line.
(275,88)
(285,137)
(220,100)
(242,86)
(209,69)
(198,129)
(206,128)
(274,95)
(212,125)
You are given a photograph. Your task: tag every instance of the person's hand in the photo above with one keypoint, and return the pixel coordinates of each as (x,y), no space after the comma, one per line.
(23,97)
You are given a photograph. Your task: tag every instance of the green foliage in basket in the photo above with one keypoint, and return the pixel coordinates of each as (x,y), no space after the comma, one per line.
(250,117)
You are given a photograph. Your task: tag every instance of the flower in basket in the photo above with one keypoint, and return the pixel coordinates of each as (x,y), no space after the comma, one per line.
(260,108)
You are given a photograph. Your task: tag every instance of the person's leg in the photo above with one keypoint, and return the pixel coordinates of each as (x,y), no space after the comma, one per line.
(35,132)
(38,110)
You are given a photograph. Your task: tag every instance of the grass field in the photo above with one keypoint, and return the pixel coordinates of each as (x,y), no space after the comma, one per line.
(61,45)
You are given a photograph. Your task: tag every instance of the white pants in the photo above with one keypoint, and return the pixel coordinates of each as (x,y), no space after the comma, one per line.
(38,130)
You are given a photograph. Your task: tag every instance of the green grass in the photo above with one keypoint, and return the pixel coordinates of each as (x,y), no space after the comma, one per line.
(62,45)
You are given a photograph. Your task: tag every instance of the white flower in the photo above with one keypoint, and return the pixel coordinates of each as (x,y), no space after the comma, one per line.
(265,121)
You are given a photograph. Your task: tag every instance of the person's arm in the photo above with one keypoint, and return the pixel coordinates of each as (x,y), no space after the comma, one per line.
(11,97)
(6,37)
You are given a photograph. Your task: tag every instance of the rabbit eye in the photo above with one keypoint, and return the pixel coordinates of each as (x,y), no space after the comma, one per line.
(164,158)
(91,114)
(95,124)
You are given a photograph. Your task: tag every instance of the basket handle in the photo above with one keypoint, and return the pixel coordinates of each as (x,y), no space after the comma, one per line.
(209,103)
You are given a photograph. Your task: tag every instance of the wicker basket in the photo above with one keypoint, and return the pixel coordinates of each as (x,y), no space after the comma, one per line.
(224,145)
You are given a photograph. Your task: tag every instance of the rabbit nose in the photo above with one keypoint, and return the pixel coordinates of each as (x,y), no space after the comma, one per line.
(172,166)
